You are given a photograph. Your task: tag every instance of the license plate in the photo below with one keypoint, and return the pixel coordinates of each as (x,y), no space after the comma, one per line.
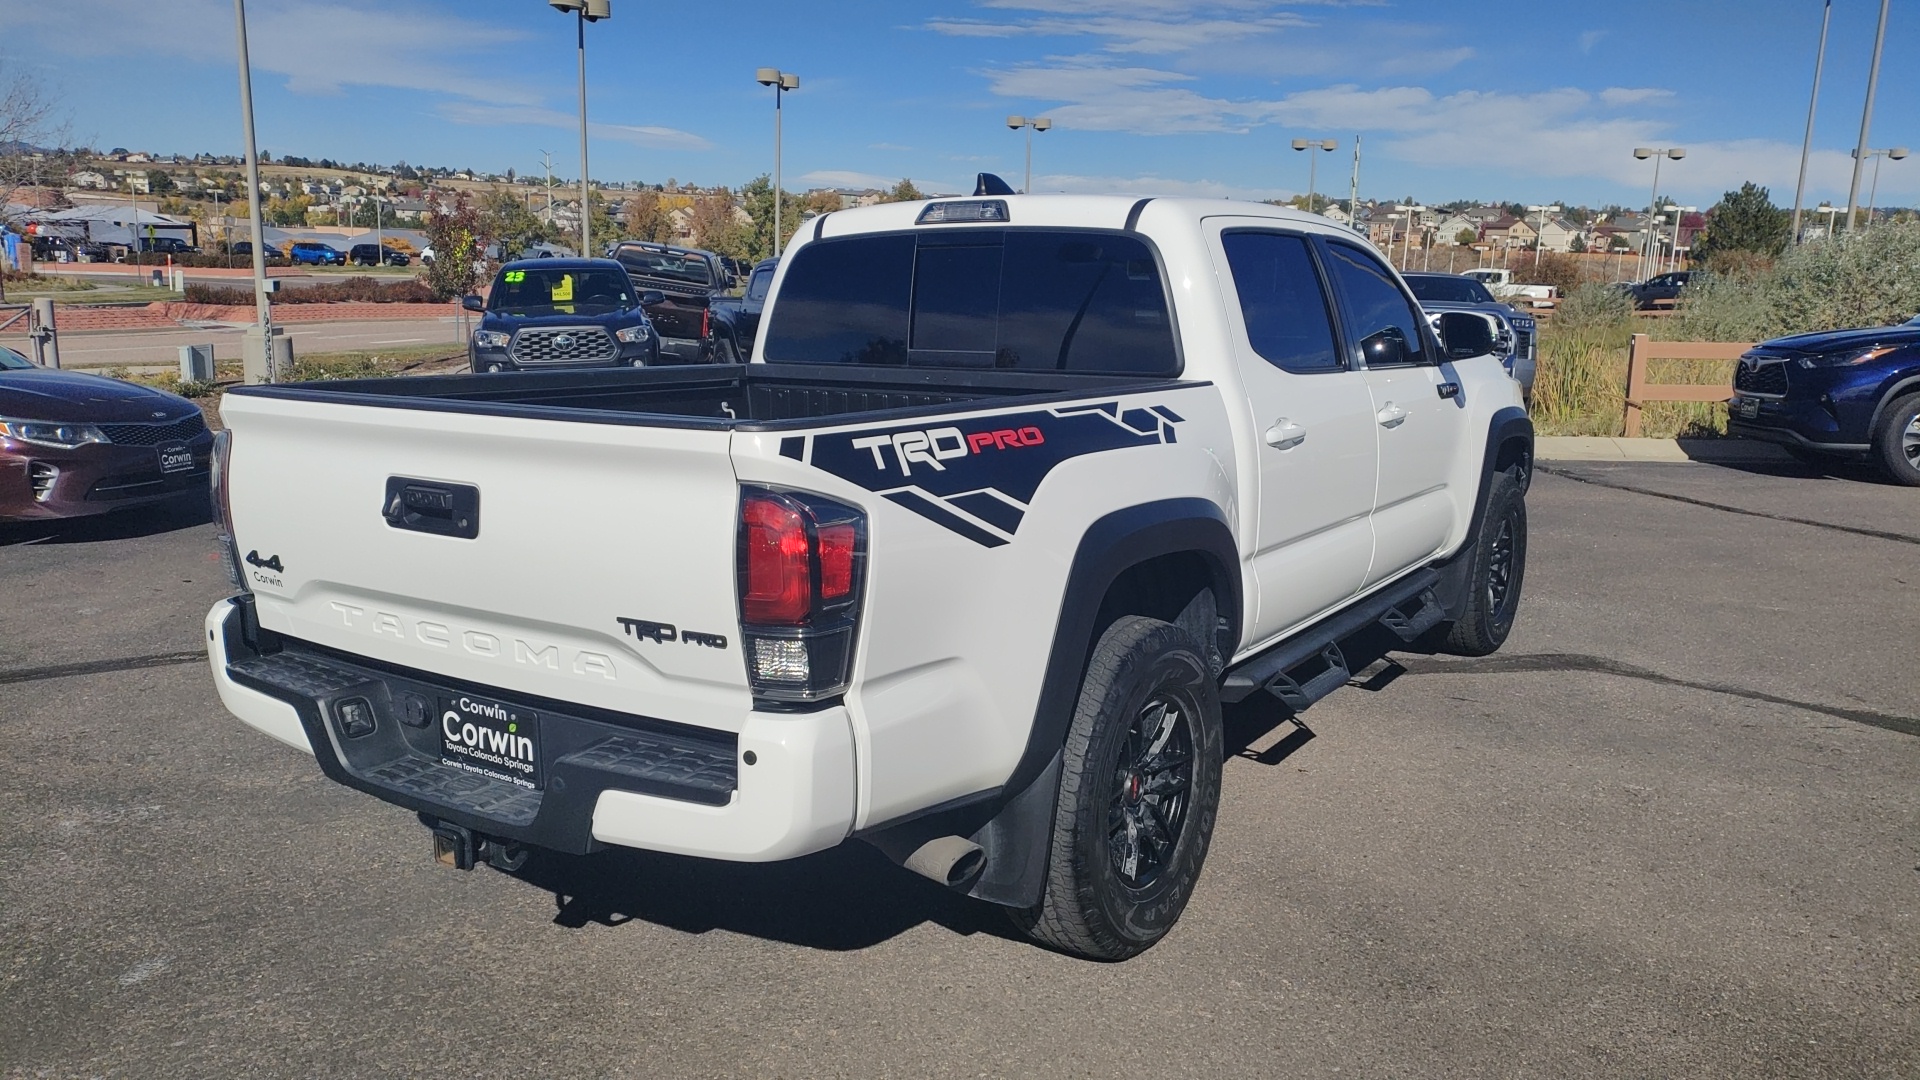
(491,738)
(1746,408)
(176,458)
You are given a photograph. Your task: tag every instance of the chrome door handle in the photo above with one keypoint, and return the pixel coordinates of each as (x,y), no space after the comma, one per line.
(1391,415)
(1285,435)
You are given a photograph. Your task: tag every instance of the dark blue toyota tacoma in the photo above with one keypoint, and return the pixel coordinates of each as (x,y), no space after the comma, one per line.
(1838,394)
(561,313)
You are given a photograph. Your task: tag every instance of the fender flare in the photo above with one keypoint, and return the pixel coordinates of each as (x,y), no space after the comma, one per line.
(1510,427)
(1900,385)
(1018,834)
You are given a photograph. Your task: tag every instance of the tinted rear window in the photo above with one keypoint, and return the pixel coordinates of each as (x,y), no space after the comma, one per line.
(1022,299)
(675,266)
(1448,290)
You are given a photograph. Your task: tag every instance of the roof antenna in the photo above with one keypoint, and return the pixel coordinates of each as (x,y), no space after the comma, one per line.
(989,184)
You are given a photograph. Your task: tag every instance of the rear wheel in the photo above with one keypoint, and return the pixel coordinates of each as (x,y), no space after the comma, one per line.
(1139,789)
(1896,441)
(1499,564)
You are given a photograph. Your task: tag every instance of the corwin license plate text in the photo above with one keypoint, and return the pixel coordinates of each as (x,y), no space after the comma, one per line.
(491,738)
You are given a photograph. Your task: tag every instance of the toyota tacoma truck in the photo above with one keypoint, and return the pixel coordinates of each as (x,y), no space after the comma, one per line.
(1014,493)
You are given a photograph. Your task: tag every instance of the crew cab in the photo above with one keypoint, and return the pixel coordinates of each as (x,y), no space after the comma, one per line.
(544,314)
(736,319)
(687,281)
(1515,336)
(1015,492)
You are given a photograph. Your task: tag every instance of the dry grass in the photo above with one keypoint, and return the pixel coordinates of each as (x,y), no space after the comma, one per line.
(1580,384)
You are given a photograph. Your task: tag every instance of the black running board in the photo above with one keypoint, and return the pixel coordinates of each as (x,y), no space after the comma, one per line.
(1309,665)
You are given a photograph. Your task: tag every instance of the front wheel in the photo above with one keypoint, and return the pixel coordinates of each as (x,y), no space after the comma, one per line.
(1896,441)
(1139,790)
(1499,563)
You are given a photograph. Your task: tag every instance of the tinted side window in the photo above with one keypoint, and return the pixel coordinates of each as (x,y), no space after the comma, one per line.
(1282,300)
(844,302)
(1374,304)
(757,285)
(1089,301)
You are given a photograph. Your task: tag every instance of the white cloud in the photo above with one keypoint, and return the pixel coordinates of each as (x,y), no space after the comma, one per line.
(1590,38)
(654,138)
(1166,187)
(318,49)
(1622,95)
(1146,28)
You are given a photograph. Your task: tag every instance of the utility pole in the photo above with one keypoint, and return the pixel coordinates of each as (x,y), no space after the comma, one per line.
(1813,103)
(546,159)
(262,314)
(1353,192)
(1866,114)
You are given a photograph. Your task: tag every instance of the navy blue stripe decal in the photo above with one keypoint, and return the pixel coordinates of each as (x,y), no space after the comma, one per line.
(939,515)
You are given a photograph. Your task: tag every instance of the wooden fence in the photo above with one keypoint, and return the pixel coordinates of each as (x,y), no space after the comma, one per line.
(1640,392)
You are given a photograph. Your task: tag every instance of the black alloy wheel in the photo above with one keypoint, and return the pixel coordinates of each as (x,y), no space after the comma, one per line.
(1148,811)
(1497,570)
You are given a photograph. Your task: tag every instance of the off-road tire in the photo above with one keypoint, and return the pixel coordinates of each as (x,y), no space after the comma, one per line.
(1090,907)
(1896,441)
(1499,565)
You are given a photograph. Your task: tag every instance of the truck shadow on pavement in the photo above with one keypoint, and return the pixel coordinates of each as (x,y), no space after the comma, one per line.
(849,898)
(182,513)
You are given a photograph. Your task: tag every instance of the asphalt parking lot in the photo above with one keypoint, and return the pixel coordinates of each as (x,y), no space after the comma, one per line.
(1672,830)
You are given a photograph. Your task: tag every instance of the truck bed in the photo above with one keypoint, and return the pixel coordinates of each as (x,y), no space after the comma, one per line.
(745,396)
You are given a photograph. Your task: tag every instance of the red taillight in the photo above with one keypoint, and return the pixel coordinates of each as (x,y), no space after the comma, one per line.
(837,543)
(777,567)
(801,561)
(706,322)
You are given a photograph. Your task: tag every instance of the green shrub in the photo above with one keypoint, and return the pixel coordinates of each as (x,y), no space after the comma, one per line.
(354,289)
(1869,277)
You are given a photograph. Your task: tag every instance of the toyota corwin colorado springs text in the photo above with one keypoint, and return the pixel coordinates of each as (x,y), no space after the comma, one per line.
(1015,492)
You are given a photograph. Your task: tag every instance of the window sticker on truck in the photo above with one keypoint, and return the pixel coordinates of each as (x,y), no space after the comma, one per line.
(977,477)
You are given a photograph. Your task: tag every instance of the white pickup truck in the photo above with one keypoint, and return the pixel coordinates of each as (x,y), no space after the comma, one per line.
(1501,284)
(1014,493)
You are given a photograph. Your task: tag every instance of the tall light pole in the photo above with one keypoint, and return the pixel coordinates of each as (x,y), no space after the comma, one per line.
(1866,115)
(781,81)
(584,11)
(1679,219)
(1353,192)
(262,316)
(1038,123)
(1540,235)
(1897,153)
(1413,215)
(1310,145)
(1813,103)
(1658,154)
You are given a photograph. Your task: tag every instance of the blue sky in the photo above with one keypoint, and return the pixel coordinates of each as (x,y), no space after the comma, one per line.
(1454,98)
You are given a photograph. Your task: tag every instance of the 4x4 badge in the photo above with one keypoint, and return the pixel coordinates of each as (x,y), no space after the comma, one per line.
(272,563)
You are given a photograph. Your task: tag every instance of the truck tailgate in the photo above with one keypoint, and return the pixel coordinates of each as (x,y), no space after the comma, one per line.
(596,548)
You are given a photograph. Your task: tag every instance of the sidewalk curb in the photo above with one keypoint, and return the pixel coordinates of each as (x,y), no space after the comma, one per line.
(1602,448)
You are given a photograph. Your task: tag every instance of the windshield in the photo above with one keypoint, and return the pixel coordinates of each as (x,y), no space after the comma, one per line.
(676,266)
(1449,290)
(560,292)
(13,361)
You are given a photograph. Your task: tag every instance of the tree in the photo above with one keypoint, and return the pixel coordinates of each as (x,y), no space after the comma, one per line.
(605,230)
(717,227)
(649,218)
(458,237)
(1466,236)
(26,122)
(287,212)
(1577,245)
(1744,221)
(159,182)
(506,219)
(757,199)
(904,191)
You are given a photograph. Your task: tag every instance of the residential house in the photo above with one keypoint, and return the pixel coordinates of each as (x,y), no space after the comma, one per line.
(1521,234)
(1449,228)
(87,178)
(1499,231)
(1558,234)
(1335,212)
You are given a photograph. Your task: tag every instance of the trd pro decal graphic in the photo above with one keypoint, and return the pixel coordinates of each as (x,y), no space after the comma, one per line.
(976,476)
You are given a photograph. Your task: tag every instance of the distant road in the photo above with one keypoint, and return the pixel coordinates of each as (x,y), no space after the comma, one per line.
(162,347)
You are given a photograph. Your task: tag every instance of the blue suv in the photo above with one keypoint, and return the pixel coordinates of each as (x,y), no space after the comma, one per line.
(1839,394)
(562,313)
(314,253)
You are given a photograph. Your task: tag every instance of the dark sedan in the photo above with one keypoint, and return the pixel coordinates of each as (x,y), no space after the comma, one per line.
(73,444)
(1841,394)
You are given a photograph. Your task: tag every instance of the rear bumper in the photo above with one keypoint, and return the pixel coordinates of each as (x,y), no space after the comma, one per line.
(623,780)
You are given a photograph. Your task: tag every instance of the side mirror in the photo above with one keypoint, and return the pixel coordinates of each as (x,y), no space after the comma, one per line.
(1386,347)
(473,303)
(1466,335)
(651,297)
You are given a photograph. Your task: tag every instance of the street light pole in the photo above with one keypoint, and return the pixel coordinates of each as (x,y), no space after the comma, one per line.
(1897,153)
(1540,237)
(1658,154)
(1806,144)
(262,316)
(1038,123)
(1866,114)
(585,11)
(781,81)
(1313,179)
